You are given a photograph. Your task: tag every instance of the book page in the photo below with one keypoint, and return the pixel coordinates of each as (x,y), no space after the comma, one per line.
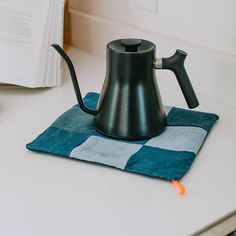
(22,24)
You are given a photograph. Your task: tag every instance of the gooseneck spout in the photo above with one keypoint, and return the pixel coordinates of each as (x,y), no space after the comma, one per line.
(176,64)
(74,80)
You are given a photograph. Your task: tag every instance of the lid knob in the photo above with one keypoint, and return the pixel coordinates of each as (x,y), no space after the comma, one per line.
(131,45)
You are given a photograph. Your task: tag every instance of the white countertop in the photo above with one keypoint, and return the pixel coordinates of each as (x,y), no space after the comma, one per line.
(44,195)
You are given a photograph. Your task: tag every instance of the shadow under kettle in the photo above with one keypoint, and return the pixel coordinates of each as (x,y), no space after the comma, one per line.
(130,105)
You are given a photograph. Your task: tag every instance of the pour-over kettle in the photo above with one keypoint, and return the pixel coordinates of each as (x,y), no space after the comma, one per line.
(130,105)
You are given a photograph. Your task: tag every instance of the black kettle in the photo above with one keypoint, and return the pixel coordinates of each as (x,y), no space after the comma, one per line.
(130,105)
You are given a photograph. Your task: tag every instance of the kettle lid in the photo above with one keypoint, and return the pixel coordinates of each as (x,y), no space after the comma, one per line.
(131,45)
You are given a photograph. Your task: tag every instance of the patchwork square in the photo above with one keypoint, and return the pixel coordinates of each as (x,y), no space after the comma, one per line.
(57,141)
(179,138)
(105,151)
(155,162)
(168,156)
(184,117)
(167,109)
(69,121)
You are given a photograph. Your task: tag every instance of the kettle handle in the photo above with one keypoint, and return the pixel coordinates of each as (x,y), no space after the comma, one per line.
(176,64)
(74,80)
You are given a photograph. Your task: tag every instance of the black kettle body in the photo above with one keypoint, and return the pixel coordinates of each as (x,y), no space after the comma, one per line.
(130,105)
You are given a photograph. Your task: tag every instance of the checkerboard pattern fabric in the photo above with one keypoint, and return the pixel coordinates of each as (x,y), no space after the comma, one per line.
(167,156)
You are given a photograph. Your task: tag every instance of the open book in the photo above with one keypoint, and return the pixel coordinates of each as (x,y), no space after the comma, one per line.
(27,29)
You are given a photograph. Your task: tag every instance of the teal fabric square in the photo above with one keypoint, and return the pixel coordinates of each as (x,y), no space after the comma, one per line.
(162,163)
(91,100)
(75,120)
(183,117)
(57,141)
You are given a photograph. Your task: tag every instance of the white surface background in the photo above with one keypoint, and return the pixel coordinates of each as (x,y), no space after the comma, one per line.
(45,195)
(41,195)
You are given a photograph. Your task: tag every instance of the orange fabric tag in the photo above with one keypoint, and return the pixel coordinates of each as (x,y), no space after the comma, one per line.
(179,187)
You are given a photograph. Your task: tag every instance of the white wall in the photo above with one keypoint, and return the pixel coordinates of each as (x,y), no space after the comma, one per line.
(211,23)
(96,22)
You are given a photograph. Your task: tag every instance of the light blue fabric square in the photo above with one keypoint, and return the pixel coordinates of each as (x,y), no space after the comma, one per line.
(167,109)
(105,151)
(179,138)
